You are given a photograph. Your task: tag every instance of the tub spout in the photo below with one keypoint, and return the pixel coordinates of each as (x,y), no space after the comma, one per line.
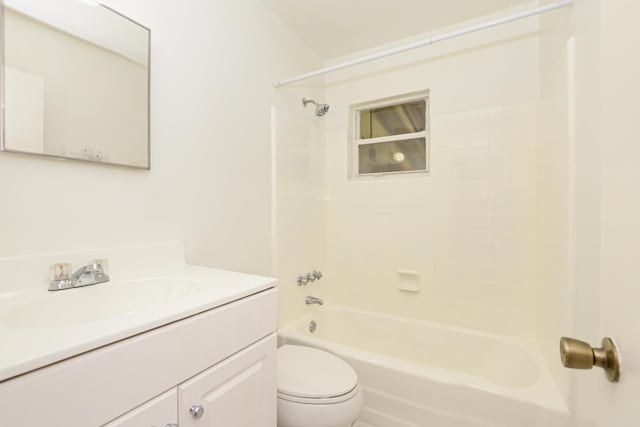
(313,300)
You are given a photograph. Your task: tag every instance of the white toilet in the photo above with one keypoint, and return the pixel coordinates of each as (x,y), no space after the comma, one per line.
(316,389)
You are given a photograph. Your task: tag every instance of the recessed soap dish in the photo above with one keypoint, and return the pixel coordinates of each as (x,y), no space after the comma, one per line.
(408,280)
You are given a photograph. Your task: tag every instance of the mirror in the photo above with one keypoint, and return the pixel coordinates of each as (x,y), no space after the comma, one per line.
(75,82)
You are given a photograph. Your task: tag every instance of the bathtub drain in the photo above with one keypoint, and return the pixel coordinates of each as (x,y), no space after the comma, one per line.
(312,326)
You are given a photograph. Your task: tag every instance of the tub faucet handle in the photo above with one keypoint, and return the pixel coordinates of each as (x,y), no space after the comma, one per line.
(302,280)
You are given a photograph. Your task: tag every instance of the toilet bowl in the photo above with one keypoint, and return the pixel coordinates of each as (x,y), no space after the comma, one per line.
(316,389)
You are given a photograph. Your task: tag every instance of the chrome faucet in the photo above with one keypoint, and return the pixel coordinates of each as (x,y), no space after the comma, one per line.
(91,274)
(313,300)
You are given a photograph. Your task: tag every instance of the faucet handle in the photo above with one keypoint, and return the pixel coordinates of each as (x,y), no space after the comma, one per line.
(59,276)
(100,265)
(60,271)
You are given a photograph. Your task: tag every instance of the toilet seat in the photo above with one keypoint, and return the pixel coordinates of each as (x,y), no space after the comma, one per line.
(319,400)
(311,376)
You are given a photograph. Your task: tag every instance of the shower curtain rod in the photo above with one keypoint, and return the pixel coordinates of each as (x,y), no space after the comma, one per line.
(427,42)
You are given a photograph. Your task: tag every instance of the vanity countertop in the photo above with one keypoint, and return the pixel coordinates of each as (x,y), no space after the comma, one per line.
(38,327)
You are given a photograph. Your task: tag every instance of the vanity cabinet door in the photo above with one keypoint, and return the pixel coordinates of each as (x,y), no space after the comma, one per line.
(238,392)
(159,412)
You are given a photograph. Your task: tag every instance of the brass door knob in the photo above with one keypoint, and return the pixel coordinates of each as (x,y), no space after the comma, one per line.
(577,354)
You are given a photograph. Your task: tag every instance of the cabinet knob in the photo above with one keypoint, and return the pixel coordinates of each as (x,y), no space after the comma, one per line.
(197,411)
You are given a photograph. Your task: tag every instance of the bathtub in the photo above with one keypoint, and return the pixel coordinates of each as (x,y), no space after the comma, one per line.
(421,374)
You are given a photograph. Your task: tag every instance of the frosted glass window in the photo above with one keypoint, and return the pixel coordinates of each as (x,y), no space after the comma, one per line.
(392,137)
(400,156)
(398,119)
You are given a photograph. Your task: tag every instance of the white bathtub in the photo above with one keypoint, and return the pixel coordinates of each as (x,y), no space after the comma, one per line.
(430,375)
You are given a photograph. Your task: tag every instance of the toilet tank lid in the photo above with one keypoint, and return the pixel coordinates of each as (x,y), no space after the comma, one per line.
(311,373)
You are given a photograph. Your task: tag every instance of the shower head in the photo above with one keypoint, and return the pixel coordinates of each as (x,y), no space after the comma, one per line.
(321,109)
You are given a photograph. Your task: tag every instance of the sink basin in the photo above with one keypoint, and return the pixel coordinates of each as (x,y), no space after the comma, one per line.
(150,287)
(107,300)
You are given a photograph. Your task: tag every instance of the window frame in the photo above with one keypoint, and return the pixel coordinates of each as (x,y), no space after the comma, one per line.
(356,141)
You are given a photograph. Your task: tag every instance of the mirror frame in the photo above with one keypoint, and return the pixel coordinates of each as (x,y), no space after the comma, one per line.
(5,149)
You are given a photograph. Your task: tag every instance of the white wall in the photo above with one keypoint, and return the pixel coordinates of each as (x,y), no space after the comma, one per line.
(213,64)
(468,227)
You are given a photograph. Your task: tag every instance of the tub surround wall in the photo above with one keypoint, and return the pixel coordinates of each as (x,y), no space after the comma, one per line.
(468,227)
(298,204)
(213,64)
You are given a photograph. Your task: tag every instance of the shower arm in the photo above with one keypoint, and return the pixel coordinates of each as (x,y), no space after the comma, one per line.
(306,101)
(321,109)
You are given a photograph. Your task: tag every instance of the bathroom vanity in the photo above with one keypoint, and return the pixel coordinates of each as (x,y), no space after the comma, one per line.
(168,344)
